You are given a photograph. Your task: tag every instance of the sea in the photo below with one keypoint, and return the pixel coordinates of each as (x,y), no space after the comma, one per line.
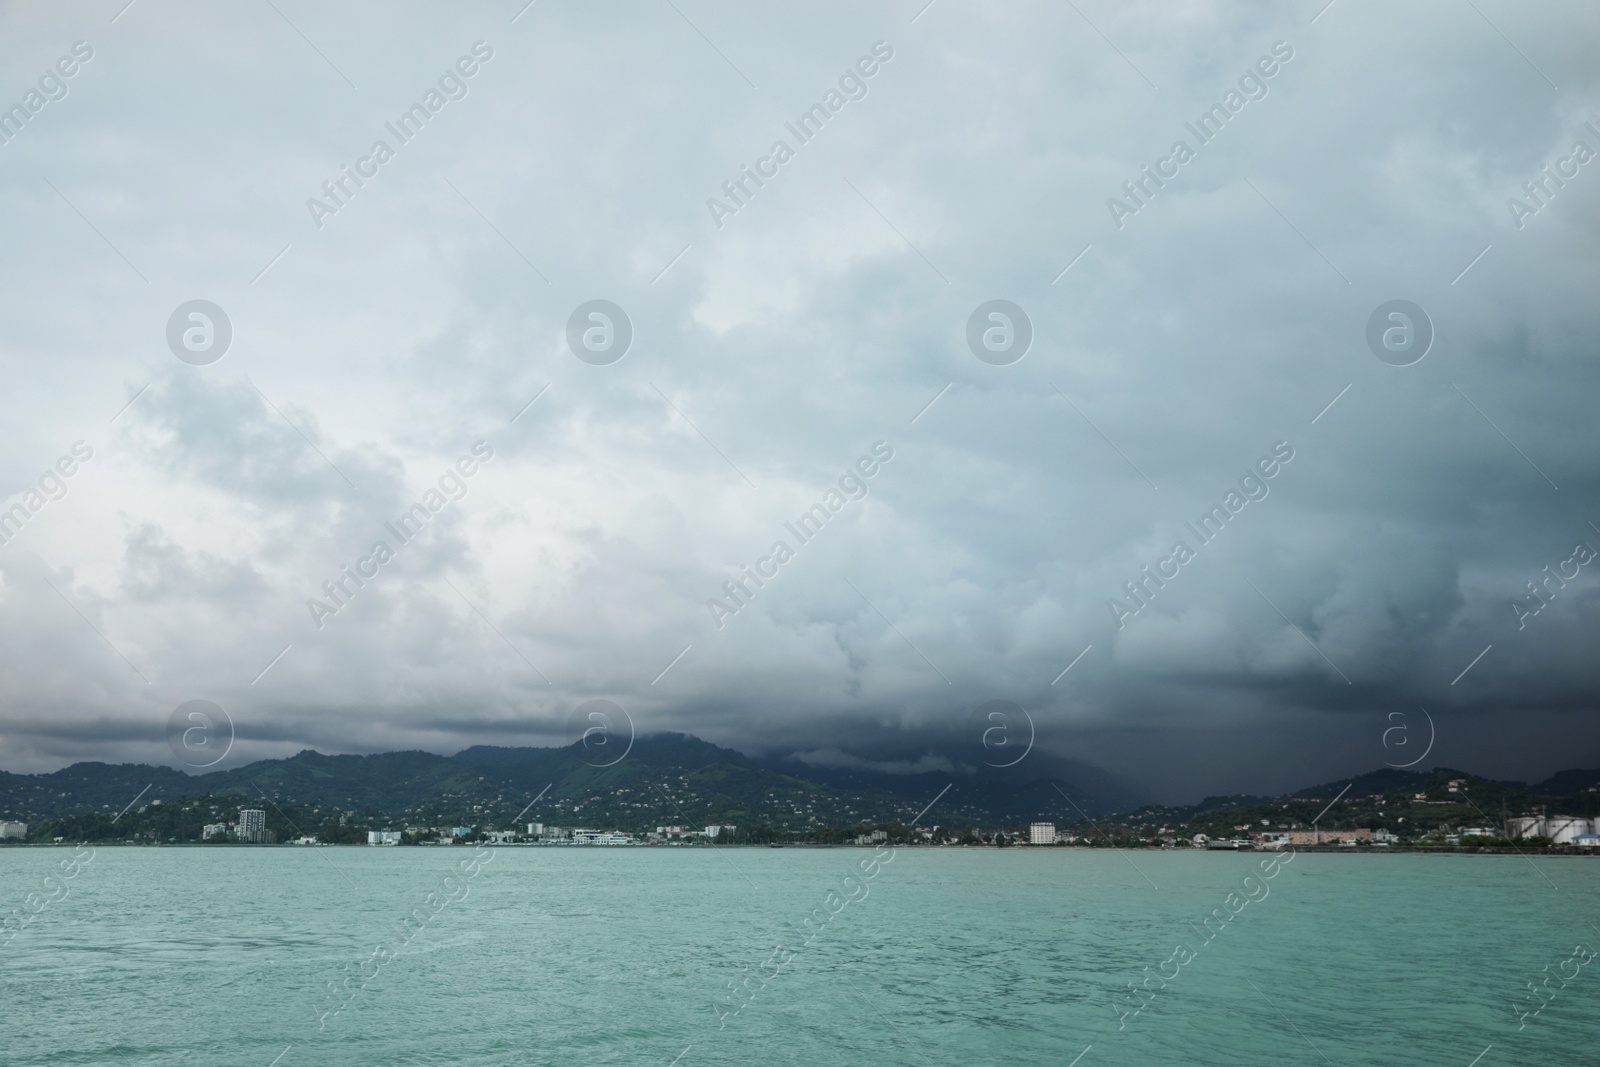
(690,957)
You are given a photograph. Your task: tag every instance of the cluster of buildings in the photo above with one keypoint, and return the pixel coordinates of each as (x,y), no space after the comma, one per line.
(579,835)
(547,834)
(251,827)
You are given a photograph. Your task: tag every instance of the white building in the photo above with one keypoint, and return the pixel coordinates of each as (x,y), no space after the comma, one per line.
(536,829)
(582,836)
(13,831)
(213,829)
(718,829)
(383,837)
(1042,833)
(252,824)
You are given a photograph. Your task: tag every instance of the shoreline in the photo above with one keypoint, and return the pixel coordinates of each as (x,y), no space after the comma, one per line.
(1442,850)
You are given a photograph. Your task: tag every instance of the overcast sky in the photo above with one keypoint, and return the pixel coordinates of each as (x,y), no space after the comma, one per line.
(382,331)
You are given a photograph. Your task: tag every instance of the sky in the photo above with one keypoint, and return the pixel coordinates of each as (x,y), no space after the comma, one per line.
(946,276)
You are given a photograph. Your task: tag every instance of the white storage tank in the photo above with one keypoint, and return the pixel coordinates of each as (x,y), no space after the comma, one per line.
(1561,829)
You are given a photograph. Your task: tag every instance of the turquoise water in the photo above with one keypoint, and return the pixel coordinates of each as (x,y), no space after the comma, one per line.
(623,956)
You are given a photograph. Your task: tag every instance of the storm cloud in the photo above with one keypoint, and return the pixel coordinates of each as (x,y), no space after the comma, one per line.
(1170,350)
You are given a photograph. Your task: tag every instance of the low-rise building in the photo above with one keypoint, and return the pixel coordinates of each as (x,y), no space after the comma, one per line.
(383,837)
(213,829)
(1327,837)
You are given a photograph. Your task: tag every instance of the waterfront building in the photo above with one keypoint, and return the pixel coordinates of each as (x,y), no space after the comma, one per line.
(13,831)
(383,837)
(1042,833)
(252,825)
(1327,837)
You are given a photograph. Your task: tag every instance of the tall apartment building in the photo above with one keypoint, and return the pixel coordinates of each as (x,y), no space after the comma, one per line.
(252,824)
(1042,833)
(16,830)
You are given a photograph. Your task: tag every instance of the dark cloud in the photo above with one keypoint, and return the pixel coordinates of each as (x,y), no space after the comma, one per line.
(772,352)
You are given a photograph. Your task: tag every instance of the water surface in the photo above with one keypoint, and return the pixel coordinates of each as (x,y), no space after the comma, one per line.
(211,956)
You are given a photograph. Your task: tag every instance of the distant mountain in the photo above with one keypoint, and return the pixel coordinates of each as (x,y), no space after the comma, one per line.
(1566,783)
(1383,780)
(1042,787)
(672,778)
(89,787)
(665,778)
(1389,780)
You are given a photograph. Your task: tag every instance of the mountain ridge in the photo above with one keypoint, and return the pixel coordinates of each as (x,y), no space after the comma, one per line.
(666,777)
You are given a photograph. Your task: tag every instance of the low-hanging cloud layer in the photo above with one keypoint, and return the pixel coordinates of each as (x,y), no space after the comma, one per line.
(818,504)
